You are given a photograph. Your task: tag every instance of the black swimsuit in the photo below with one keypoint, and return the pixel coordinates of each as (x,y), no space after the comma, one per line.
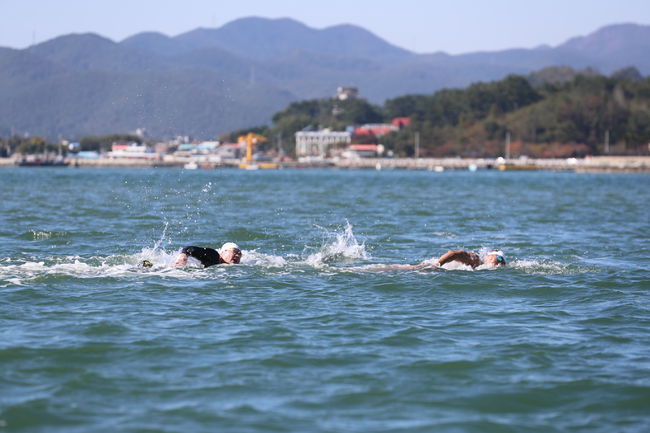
(207,256)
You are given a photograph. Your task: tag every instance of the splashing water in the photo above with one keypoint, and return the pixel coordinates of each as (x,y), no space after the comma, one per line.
(338,247)
(256,258)
(548,267)
(207,187)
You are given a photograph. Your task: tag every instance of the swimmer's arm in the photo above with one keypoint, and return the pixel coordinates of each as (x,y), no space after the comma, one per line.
(207,256)
(421,266)
(427,264)
(399,267)
(183,256)
(462,256)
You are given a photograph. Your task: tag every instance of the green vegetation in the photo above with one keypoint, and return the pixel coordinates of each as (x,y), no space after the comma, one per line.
(28,146)
(103,142)
(557,112)
(39,145)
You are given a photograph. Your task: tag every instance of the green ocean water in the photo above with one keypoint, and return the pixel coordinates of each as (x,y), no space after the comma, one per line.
(315,331)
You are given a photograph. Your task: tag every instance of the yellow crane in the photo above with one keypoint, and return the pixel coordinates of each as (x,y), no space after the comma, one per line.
(251,140)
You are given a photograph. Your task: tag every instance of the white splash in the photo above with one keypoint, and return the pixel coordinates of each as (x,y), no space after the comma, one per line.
(338,247)
(163,237)
(38,235)
(458,266)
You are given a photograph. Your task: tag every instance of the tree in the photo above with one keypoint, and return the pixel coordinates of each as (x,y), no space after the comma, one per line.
(630,73)
(104,142)
(36,145)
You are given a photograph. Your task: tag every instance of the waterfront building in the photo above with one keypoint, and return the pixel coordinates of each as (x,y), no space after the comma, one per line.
(376,129)
(122,150)
(356,151)
(379,129)
(318,143)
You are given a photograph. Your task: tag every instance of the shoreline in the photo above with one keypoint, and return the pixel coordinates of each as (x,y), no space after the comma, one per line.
(595,164)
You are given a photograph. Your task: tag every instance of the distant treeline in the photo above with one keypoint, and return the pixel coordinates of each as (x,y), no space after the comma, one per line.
(39,145)
(27,146)
(556,112)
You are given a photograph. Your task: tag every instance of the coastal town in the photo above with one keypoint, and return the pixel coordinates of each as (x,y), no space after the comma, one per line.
(215,155)
(354,147)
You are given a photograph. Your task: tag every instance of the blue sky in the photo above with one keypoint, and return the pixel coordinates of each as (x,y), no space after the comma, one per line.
(424,26)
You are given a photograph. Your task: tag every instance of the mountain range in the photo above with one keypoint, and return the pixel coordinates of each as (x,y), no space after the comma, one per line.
(208,81)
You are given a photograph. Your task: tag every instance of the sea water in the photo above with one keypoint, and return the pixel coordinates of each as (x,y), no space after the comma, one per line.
(318,329)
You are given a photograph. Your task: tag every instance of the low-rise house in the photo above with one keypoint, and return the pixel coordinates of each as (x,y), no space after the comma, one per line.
(356,151)
(194,149)
(229,151)
(379,129)
(132,151)
(376,129)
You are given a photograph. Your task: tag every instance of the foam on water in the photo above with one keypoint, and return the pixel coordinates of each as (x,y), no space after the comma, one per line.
(548,267)
(256,258)
(336,247)
(43,235)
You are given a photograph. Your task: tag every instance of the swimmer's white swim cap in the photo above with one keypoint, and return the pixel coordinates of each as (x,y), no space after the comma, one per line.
(229,246)
(501,258)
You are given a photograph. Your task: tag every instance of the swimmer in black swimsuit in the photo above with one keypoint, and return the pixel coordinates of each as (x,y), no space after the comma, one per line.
(229,253)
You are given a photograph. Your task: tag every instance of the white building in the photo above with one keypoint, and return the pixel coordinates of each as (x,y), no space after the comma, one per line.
(346,92)
(317,143)
(132,151)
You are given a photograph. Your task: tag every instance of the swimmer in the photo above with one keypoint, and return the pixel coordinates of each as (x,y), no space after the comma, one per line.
(229,253)
(492,259)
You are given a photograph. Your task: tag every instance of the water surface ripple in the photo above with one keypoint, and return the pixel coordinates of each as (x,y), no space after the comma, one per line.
(315,331)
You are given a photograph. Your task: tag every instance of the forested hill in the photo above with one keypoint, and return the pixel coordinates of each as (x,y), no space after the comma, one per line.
(208,81)
(556,112)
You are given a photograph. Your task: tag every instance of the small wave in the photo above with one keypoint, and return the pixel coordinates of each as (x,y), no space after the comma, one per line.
(448,235)
(42,235)
(546,267)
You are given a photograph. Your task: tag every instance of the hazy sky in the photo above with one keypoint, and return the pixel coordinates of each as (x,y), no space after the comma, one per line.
(424,26)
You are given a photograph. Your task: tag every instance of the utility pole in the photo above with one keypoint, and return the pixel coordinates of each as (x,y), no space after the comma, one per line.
(508,145)
(280,147)
(417,145)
